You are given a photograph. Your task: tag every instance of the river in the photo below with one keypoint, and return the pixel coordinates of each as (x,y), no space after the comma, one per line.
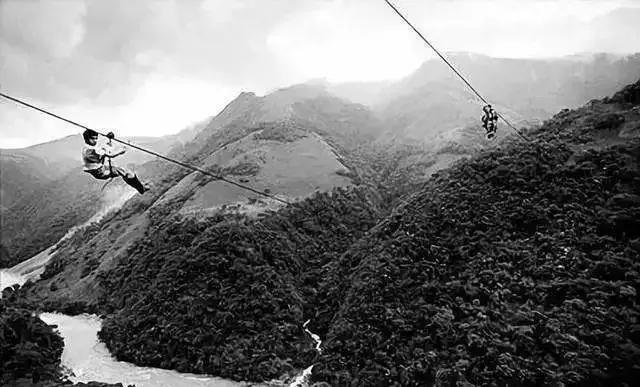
(89,359)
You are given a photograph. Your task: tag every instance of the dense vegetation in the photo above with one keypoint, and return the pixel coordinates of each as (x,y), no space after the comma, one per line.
(32,224)
(229,296)
(519,267)
(28,347)
(5,257)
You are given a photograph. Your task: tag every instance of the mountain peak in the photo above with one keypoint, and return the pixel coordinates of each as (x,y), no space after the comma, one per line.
(246,94)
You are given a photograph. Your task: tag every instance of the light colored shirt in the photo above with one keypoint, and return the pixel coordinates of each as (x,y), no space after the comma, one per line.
(92,157)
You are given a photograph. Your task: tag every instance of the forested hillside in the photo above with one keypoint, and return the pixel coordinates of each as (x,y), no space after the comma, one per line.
(518,267)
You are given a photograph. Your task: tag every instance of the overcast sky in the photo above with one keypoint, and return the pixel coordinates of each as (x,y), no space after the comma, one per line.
(153,67)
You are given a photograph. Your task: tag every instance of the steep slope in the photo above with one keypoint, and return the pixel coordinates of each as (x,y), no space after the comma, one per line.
(23,171)
(279,158)
(517,267)
(19,173)
(249,110)
(291,142)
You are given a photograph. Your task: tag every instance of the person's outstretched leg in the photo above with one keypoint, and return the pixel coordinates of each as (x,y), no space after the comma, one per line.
(131,179)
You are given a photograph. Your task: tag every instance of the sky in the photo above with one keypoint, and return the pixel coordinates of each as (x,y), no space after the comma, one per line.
(153,67)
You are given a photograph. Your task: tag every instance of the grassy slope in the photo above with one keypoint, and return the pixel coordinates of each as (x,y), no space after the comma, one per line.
(517,267)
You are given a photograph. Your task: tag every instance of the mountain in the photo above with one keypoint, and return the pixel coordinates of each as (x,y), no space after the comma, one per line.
(502,268)
(25,170)
(366,93)
(541,84)
(281,158)
(430,106)
(305,148)
(432,100)
(289,142)
(318,130)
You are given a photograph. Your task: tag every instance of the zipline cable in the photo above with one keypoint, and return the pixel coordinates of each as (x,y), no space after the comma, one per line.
(184,165)
(453,68)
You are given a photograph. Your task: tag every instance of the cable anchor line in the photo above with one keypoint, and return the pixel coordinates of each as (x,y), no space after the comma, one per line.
(166,158)
(453,68)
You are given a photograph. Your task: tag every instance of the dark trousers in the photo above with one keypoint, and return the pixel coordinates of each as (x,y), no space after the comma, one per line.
(105,172)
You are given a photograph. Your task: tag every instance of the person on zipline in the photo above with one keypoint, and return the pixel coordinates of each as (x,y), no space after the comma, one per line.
(94,157)
(489,121)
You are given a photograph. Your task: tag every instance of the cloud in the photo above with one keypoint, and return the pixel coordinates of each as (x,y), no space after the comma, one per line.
(67,51)
(152,66)
(103,51)
(49,29)
(146,67)
(20,128)
(44,54)
(617,31)
(346,40)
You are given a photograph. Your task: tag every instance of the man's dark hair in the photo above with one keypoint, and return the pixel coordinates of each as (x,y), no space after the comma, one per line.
(87,134)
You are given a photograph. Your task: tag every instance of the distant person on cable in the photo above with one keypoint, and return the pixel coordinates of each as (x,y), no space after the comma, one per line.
(490,121)
(94,157)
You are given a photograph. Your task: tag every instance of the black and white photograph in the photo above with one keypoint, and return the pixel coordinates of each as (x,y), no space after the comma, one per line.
(319,193)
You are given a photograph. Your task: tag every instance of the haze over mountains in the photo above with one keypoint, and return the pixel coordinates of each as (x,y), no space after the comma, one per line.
(433,100)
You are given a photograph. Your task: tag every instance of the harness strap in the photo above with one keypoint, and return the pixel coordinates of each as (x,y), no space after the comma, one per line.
(110,136)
